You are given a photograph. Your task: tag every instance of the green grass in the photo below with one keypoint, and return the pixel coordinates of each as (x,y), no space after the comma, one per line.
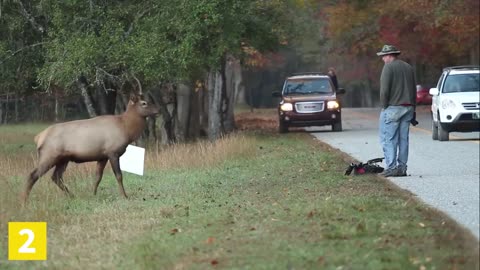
(254,200)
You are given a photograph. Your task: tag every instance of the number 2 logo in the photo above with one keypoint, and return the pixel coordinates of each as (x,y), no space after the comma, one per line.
(25,248)
(27,241)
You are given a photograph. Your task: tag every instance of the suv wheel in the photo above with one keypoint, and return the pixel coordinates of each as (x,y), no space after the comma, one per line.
(337,126)
(434,130)
(442,133)
(282,127)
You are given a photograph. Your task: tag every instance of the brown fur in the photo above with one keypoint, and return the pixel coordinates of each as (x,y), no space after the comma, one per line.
(101,139)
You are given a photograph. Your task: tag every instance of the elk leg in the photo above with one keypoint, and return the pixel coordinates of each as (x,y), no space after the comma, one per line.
(115,163)
(99,173)
(32,179)
(57,177)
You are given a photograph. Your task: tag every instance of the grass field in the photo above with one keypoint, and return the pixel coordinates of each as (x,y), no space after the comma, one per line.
(253,200)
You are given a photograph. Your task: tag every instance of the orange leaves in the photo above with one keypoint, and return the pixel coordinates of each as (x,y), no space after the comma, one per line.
(341,18)
(424,30)
(351,27)
(254,58)
(210,240)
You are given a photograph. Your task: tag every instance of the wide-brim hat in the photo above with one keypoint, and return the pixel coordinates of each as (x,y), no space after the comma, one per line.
(388,49)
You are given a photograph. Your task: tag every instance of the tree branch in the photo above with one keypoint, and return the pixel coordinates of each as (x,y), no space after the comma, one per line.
(130,27)
(30,18)
(21,49)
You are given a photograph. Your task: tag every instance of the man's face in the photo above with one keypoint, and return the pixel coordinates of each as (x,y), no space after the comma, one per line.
(387,58)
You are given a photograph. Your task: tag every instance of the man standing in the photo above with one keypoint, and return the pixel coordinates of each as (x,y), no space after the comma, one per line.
(398,100)
(333,76)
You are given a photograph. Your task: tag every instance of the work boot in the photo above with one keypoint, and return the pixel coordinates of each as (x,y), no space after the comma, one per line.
(401,171)
(389,172)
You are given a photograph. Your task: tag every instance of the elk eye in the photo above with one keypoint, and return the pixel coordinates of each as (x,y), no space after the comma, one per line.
(144,103)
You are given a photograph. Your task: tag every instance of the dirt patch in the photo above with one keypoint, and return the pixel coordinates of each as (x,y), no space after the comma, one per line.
(264,120)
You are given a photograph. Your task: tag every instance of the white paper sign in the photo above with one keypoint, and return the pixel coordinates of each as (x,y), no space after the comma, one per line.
(132,160)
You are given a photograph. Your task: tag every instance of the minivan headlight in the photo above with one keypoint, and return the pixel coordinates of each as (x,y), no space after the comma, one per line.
(448,104)
(331,105)
(286,107)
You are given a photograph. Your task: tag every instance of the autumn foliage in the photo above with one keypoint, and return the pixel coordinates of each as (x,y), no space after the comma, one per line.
(434,33)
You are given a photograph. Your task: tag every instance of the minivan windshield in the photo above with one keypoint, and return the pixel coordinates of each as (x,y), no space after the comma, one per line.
(307,86)
(462,83)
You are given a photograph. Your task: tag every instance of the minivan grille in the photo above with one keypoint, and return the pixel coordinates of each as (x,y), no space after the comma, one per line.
(309,107)
(471,105)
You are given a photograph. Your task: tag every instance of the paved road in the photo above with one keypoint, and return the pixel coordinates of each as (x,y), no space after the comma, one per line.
(445,175)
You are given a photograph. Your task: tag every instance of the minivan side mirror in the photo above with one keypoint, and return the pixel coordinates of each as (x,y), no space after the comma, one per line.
(433,91)
(276,94)
(341,91)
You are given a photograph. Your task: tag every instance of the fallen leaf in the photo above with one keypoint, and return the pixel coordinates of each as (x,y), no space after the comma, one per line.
(210,240)
(214,262)
(174,231)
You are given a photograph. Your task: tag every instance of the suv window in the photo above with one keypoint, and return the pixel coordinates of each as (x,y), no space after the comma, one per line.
(307,86)
(461,83)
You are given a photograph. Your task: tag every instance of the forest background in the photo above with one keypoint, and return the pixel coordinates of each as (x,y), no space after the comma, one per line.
(200,59)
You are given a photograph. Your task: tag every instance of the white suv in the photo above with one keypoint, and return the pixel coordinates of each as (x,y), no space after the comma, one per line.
(456,102)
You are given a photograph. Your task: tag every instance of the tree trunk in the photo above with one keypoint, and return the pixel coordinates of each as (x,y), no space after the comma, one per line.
(240,95)
(106,97)
(86,98)
(5,119)
(121,103)
(194,126)
(151,123)
(101,99)
(57,113)
(1,112)
(203,107)
(163,96)
(229,94)
(214,86)
(182,117)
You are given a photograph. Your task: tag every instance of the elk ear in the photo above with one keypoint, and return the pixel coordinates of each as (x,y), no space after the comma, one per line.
(133,98)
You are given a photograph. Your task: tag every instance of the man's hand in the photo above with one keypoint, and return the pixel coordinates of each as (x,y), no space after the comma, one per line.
(414,121)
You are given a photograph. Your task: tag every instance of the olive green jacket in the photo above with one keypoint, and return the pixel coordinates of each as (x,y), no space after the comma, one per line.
(397,84)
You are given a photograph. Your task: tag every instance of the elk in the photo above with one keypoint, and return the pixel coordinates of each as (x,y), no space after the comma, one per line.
(101,139)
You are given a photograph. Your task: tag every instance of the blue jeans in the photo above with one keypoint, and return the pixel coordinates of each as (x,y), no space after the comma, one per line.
(394,132)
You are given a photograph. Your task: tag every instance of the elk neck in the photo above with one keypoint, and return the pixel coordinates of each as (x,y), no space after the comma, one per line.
(133,122)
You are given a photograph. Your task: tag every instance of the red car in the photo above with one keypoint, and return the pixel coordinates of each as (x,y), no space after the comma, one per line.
(423,97)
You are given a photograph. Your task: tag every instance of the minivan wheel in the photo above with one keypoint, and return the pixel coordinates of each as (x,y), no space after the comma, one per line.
(337,126)
(282,127)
